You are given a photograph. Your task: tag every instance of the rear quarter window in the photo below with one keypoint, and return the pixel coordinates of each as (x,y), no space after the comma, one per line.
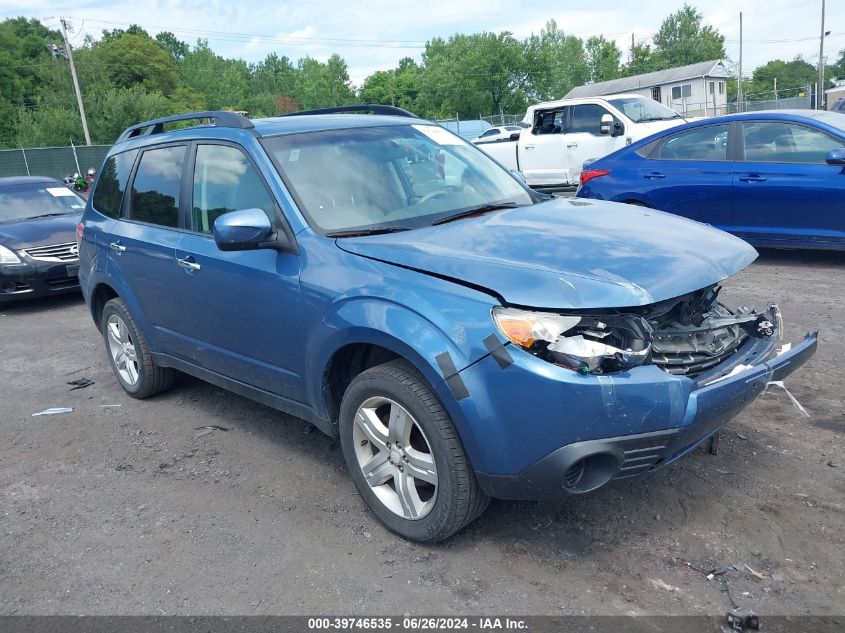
(111,184)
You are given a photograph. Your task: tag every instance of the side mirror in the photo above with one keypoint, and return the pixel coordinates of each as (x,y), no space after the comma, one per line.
(606,123)
(836,156)
(242,230)
(514,136)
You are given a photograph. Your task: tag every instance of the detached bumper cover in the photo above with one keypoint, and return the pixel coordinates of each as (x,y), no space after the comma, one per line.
(675,414)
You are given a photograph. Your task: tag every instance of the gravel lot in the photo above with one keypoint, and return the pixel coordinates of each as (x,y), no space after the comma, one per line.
(129,510)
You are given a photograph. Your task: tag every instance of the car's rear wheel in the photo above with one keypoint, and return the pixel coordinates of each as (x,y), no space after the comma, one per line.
(129,354)
(405,456)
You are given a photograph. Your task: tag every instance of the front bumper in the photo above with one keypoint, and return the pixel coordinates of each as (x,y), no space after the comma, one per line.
(564,433)
(37,278)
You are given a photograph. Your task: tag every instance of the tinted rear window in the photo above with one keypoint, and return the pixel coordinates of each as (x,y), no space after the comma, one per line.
(157,184)
(108,196)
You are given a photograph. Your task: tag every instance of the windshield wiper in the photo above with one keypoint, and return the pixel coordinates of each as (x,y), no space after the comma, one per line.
(373,230)
(483,208)
(649,119)
(48,215)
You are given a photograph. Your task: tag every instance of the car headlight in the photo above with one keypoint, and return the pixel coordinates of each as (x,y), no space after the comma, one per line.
(587,344)
(8,256)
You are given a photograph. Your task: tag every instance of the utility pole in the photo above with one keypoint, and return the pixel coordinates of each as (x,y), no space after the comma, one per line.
(820,89)
(75,83)
(776,88)
(739,77)
(632,48)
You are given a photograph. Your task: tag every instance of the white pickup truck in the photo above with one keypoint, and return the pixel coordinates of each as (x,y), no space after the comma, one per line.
(558,136)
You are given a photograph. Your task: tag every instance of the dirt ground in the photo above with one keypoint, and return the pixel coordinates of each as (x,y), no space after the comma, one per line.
(129,510)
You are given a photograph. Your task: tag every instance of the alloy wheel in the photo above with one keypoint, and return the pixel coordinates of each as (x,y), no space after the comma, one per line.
(122,349)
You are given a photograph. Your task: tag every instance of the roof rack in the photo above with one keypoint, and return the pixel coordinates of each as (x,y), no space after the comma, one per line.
(221,118)
(375,108)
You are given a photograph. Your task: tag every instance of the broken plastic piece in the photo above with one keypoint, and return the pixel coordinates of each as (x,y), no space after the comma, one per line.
(800,410)
(591,353)
(80,383)
(736,370)
(54,411)
(743,619)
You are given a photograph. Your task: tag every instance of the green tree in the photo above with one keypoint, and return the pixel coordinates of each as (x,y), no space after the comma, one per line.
(791,78)
(130,59)
(682,39)
(176,47)
(556,63)
(321,85)
(644,60)
(602,58)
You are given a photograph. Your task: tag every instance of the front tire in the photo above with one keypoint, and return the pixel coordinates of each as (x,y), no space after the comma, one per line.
(405,456)
(129,354)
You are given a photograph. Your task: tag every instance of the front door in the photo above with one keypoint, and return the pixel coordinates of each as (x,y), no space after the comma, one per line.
(542,157)
(583,139)
(783,188)
(244,306)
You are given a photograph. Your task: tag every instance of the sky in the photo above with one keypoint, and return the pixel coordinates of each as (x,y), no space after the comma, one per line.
(374,34)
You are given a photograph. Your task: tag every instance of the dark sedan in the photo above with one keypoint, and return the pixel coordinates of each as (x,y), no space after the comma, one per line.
(774,178)
(38,251)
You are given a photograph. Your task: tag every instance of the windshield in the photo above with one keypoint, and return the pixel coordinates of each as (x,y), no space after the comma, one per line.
(642,109)
(403,176)
(32,200)
(833,119)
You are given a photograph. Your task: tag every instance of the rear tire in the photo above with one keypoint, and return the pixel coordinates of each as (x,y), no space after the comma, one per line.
(129,354)
(418,482)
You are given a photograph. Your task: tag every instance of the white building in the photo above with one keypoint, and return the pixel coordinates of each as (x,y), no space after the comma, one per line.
(695,90)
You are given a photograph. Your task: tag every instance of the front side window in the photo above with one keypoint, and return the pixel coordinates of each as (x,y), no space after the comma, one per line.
(156,188)
(549,122)
(704,143)
(224,180)
(777,142)
(586,118)
(400,176)
(37,200)
(108,196)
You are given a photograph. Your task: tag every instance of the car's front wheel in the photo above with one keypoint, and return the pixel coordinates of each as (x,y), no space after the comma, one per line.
(405,456)
(129,354)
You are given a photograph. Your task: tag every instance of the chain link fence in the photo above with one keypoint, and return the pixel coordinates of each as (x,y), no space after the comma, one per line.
(54,162)
(791,103)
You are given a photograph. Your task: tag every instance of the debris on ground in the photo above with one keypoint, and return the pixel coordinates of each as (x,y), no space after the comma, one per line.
(208,430)
(54,411)
(743,619)
(107,406)
(756,574)
(76,371)
(80,383)
(800,410)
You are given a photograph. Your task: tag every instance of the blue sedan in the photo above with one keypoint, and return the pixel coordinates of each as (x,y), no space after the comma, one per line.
(776,179)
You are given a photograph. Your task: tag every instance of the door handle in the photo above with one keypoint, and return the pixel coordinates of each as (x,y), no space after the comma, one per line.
(572,144)
(529,147)
(115,246)
(655,175)
(187,264)
(752,178)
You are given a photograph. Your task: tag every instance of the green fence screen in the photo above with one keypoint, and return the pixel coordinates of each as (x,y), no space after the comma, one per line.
(55,162)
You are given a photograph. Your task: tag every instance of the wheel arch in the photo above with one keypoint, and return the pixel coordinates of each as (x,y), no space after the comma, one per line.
(102,294)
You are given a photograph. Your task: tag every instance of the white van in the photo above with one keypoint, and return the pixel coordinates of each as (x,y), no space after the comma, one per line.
(558,136)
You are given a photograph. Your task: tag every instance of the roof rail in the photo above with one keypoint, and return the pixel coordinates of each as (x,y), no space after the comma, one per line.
(221,118)
(375,108)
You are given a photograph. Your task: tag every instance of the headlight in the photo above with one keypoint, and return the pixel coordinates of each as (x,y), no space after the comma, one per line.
(8,257)
(587,344)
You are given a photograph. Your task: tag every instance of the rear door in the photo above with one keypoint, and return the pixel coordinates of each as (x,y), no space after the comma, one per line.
(582,137)
(542,155)
(142,247)
(784,190)
(242,307)
(689,174)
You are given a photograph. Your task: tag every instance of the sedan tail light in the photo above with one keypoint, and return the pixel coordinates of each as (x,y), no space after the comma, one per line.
(80,231)
(588,174)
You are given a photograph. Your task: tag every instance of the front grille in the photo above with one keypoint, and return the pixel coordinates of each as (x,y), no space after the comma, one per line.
(690,355)
(55,253)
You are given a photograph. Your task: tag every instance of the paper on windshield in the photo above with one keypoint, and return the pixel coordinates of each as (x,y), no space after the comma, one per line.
(439,135)
(60,192)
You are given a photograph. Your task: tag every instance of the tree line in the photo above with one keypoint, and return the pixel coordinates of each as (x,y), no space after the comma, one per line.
(127,76)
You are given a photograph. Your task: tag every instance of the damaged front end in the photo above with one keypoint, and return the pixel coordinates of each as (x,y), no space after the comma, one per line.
(687,335)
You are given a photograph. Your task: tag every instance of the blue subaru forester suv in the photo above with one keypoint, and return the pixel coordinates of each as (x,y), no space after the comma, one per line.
(464,336)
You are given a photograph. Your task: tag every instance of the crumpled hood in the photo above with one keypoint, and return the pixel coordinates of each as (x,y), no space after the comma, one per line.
(58,229)
(568,253)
